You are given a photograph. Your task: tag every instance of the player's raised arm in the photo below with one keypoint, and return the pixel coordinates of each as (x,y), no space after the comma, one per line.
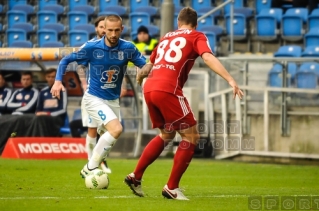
(146,69)
(79,56)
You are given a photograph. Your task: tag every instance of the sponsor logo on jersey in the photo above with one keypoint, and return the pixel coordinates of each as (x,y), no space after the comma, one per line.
(19,96)
(27,97)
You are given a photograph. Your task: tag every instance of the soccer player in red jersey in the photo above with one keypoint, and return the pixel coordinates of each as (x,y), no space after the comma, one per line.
(170,64)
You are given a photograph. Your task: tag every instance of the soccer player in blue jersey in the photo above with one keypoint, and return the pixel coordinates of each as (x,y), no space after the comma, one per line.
(108,58)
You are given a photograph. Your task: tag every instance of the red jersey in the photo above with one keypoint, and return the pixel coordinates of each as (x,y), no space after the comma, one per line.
(173,59)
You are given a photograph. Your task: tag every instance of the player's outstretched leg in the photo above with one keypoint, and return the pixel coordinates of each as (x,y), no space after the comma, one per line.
(182,159)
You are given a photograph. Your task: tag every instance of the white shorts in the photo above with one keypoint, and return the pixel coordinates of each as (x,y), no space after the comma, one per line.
(87,121)
(101,111)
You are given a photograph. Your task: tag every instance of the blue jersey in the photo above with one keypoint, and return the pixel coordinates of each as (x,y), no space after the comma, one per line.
(107,66)
(23,100)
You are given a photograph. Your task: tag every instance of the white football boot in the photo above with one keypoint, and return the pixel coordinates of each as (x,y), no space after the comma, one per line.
(173,194)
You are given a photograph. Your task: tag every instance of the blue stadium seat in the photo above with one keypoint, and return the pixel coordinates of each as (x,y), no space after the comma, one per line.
(208,21)
(292,23)
(175,21)
(239,23)
(58,27)
(77,114)
(247,12)
(65,129)
(125,31)
(198,4)
(78,38)
(74,3)
(24,7)
(88,9)
(16,17)
(217,30)
(89,28)
(313,19)
(15,35)
(147,9)
(237,4)
(12,3)
(262,4)
(103,4)
(267,24)
(177,9)
(275,75)
(310,66)
(311,51)
(1,27)
(27,27)
(212,41)
(56,44)
(139,19)
(288,51)
(46,17)
(43,3)
(21,44)
(76,18)
(306,80)
(58,9)
(134,4)
(46,35)
(1,8)
(207,9)
(120,10)
(104,13)
(312,37)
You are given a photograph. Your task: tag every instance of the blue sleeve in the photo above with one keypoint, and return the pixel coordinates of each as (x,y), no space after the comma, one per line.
(81,56)
(137,58)
(6,98)
(40,103)
(12,104)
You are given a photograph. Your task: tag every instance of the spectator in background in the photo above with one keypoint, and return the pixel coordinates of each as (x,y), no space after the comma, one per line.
(48,105)
(24,100)
(312,4)
(144,42)
(5,94)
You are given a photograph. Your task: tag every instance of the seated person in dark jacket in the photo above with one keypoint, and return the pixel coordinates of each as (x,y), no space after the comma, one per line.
(48,105)
(5,94)
(24,100)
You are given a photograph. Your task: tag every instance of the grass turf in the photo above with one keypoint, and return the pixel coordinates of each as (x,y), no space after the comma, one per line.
(210,185)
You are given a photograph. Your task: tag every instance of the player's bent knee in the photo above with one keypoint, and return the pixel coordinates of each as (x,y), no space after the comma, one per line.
(116,130)
(167,137)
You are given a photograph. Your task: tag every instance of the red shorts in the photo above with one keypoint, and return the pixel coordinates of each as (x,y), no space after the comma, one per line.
(169,111)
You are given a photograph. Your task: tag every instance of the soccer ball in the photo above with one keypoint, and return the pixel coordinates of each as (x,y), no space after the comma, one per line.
(98,179)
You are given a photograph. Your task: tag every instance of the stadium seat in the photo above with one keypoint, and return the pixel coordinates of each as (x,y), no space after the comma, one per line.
(104,13)
(120,10)
(217,30)
(65,129)
(77,114)
(207,21)
(212,41)
(239,23)
(12,3)
(15,35)
(139,19)
(89,28)
(56,44)
(46,35)
(58,9)
(103,4)
(46,17)
(313,19)
(74,3)
(78,38)
(306,80)
(292,23)
(311,51)
(177,9)
(27,27)
(43,3)
(198,4)
(147,9)
(312,37)
(310,66)
(1,8)
(175,21)
(58,27)
(25,8)
(134,4)
(76,18)
(275,75)
(267,24)
(262,4)
(14,17)
(288,51)
(247,12)
(21,44)
(237,4)
(207,9)
(89,10)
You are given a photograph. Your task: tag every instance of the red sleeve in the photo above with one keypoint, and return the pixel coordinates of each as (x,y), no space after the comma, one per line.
(201,45)
(153,55)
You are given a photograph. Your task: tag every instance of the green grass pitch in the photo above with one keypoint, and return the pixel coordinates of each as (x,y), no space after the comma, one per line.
(210,185)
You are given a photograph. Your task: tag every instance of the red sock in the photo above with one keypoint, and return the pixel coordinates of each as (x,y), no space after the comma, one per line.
(182,158)
(152,150)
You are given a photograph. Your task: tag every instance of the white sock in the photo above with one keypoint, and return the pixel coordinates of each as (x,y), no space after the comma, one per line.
(89,145)
(101,150)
